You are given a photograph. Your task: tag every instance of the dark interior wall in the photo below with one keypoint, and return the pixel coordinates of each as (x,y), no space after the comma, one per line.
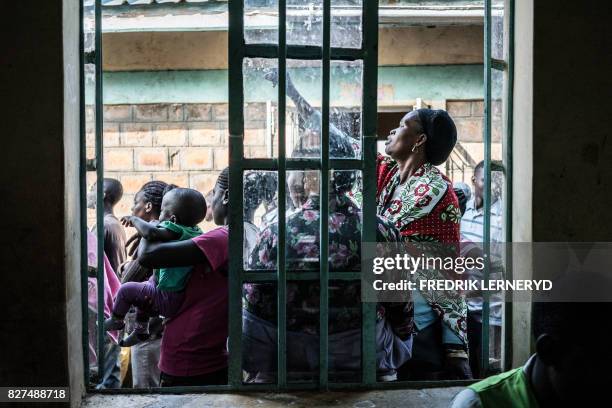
(572,141)
(33,341)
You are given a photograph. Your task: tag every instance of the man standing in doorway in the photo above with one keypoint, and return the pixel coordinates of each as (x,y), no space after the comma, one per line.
(472,229)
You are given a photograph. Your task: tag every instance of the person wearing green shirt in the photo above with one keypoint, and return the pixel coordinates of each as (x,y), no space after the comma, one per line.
(181,210)
(572,366)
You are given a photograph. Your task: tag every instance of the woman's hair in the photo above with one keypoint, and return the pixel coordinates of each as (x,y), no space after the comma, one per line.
(223,179)
(441,134)
(153,192)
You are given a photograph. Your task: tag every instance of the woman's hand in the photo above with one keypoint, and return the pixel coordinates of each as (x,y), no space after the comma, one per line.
(127,221)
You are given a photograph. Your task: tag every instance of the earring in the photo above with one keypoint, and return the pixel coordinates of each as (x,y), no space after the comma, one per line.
(415,148)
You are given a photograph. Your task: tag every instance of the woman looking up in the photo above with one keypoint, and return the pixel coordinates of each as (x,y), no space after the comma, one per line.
(419,200)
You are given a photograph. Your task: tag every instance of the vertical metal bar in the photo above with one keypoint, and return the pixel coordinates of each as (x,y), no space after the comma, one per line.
(324,204)
(236,130)
(507,358)
(369,106)
(83,198)
(484,363)
(100,188)
(282,177)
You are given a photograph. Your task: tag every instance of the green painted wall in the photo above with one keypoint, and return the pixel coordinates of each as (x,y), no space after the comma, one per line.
(396,84)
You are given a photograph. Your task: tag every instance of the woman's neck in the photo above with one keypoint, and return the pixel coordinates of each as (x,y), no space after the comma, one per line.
(409,166)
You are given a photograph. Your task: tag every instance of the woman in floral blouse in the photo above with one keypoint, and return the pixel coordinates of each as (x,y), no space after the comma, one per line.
(419,200)
(414,195)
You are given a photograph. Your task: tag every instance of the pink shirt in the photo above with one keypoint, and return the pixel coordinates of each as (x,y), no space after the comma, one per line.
(194,342)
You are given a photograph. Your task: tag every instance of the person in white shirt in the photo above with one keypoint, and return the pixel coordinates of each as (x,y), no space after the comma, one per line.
(472,231)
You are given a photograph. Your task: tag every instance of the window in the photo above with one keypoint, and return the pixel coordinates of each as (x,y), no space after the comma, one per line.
(318,47)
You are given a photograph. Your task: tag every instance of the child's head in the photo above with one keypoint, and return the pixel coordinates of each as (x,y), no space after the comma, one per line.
(113,191)
(183,206)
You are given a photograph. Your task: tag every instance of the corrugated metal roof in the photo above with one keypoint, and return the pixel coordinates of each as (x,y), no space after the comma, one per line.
(113,3)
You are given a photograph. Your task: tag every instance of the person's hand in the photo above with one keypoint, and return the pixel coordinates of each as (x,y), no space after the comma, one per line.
(127,221)
(132,244)
(457,368)
(272,76)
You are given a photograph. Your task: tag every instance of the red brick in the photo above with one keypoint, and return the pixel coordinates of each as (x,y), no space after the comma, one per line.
(151,159)
(255,111)
(469,129)
(221,157)
(205,134)
(478,108)
(196,158)
(136,134)
(220,111)
(118,159)
(117,113)
(111,134)
(197,112)
(254,124)
(255,152)
(174,155)
(203,182)
(180,179)
(175,112)
(151,113)
(132,183)
(254,137)
(171,134)
(459,108)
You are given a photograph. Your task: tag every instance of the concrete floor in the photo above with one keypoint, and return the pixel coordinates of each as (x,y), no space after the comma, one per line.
(426,398)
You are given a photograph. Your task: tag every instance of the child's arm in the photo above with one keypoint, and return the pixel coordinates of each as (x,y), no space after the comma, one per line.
(149,231)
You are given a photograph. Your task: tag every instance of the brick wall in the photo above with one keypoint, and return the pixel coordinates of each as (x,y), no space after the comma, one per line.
(469,118)
(183,144)
(187,144)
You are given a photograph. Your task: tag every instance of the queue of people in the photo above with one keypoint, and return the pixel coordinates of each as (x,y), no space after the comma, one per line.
(172,306)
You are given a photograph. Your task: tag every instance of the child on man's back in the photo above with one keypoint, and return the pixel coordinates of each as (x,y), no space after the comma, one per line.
(181,210)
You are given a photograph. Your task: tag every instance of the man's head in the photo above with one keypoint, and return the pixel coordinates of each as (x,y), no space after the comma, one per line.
(572,338)
(113,191)
(478,181)
(183,206)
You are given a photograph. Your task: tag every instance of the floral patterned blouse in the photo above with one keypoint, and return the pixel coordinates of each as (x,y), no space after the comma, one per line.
(426,209)
(302,253)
